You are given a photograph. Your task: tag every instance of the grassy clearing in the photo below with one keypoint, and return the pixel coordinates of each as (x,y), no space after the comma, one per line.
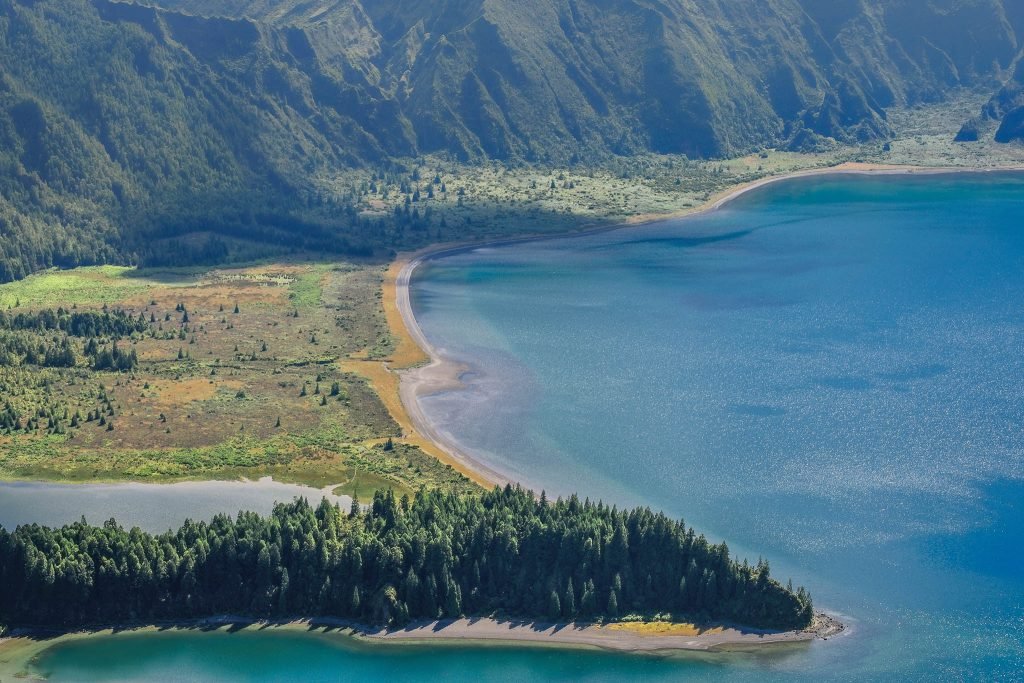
(319,458)
(306,290)
(52,288)
(239,375)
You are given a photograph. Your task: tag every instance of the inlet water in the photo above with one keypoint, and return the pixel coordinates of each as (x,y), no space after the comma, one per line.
(828,372)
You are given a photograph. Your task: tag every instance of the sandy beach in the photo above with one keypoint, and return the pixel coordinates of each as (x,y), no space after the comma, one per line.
(17,652)
(619,637)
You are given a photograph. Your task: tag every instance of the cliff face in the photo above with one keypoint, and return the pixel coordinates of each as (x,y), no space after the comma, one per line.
(1007,108)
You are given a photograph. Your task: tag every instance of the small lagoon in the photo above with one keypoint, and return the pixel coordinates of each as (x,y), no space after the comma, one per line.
(151,507)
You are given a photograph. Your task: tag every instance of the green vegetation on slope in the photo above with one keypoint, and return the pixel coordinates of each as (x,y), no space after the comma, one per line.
(130,134)
(438,555)
(570,79)
(127,134)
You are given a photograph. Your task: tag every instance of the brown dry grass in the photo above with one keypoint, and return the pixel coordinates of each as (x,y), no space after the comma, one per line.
(238,374)
(663,628)
(177,394)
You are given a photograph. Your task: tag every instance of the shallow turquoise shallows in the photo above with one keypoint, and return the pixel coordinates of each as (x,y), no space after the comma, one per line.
(829,372)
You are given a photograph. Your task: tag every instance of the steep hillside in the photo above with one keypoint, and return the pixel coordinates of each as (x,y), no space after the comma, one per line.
(565,79)
(201,130)
(1007,108)
(121,125)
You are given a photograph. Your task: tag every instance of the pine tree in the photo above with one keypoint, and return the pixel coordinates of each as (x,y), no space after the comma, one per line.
(282,592)
(569,603)
(453,603)
(554,606)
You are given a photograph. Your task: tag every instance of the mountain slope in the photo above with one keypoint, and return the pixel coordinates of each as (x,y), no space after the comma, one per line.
(121,124)
(201,130)
(562,79)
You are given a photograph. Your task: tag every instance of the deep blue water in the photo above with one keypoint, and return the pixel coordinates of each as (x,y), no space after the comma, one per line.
(828,372)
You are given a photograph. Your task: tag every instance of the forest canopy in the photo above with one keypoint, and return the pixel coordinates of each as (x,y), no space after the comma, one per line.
(438,555)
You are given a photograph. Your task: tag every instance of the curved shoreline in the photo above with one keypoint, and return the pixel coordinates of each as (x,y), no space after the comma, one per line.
(437,373)
(619,637)
(17,651)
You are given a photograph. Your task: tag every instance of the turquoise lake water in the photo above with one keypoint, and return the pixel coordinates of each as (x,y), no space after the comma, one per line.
(828,372)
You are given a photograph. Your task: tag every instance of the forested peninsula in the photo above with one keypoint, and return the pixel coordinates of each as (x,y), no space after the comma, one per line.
(437,555)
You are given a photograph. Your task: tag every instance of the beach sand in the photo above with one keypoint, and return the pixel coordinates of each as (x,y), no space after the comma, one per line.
(386,379)
(17,653)
(623,637)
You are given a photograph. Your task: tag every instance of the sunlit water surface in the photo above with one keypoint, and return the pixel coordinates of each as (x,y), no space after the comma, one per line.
(829,372)
(151,507)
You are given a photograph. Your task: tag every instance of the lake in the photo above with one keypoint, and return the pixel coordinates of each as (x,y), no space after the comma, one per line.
(828,372)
